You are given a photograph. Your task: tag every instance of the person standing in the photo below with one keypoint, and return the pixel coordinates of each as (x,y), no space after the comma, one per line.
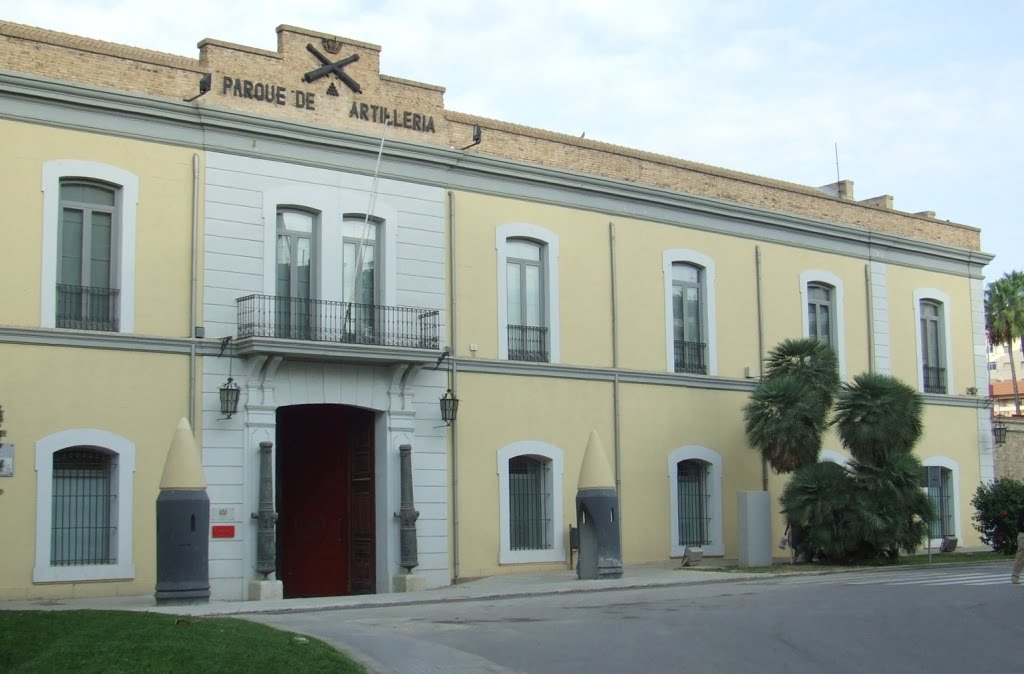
(1018,562)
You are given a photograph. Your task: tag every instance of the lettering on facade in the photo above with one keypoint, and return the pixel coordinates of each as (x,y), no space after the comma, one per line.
(277,95)
(381,114)
(269,93)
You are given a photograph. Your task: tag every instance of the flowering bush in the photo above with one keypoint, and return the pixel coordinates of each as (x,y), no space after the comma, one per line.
(996,506)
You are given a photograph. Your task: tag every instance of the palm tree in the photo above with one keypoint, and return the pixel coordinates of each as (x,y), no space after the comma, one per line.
(878,416)
(786,416)
(1004,319)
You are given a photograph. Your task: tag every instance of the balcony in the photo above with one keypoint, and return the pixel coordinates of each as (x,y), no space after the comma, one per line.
(934,379)
(528,342)
(689,357)
(85,308)
(329,330)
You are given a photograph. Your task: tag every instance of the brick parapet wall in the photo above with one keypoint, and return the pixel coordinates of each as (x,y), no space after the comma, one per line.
(95,62)
(1009,457)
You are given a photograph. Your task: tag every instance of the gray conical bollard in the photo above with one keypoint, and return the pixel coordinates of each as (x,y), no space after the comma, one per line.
(183,525)
(597,511)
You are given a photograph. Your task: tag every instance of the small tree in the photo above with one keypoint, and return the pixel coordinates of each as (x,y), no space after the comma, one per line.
(996,505)
(1004,319)
(787,414)
(878,415)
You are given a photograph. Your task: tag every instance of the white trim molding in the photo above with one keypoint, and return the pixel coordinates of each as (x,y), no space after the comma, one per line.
(518,230)
(714,460)
(707,265)
(123,452)
(554,456)
(127,201)
(947,320)
(954,469)
(838,313)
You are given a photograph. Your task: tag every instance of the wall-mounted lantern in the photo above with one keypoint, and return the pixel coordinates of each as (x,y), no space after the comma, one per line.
(449,407)
(999,433)
(229,394)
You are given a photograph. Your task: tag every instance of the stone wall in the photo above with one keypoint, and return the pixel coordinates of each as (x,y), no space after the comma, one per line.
(1010,456)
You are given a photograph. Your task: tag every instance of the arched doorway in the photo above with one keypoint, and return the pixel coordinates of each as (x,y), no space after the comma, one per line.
(325,500)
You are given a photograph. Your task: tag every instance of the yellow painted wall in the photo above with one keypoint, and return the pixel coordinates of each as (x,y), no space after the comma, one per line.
(498,410)
(163,230)
(50,389)
(584,279)
(904,327)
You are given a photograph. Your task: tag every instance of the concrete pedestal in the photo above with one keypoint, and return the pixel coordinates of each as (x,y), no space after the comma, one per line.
(409,582)
(266,590)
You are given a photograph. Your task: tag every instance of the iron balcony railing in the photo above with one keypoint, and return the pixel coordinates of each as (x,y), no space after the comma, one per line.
(528,342)
(343,322)
(934,379)
(690,357)
(87,308)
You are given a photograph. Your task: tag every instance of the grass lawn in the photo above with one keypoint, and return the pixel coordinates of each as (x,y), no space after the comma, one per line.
(118,641)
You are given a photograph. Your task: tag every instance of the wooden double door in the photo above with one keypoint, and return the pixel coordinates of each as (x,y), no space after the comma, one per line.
(324,460)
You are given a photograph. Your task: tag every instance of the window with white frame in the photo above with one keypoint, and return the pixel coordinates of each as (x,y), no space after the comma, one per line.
(821,293)
(695,495)
(820,321)
(932,314)
(84,507)
(693,500)
(88,269)
(690,316)
(688,340)
(940,479)
(293,313)
(530,503)
(528,310)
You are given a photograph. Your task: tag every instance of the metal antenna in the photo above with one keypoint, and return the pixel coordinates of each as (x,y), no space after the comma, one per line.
(838,179)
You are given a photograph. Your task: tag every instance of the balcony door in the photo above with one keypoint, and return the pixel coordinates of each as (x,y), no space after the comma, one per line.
(360,280)
(293,313)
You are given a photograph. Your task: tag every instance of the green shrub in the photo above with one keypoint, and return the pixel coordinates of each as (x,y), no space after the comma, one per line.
(995,517)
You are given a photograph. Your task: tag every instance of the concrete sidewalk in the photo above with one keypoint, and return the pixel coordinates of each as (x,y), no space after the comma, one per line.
(495,587)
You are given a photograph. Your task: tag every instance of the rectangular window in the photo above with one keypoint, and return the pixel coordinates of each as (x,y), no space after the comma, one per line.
(529,497)
(82,531)
(524,277)
(87,293)
(933,350)
(688,319)
(694,504)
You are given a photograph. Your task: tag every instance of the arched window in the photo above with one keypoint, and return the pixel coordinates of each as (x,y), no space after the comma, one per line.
(530,503)
(690,322)
(528,311)
(823,311)
(934,348)
(88,269)
(84,507)
(695,500)
(294,274)
(940,478)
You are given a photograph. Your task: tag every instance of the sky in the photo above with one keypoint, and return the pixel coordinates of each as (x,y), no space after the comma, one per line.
(922,101)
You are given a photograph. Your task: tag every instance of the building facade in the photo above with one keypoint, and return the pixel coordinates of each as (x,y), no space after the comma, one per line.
(344,249)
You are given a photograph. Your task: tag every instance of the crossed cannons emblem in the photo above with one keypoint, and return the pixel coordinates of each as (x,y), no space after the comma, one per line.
(329,67)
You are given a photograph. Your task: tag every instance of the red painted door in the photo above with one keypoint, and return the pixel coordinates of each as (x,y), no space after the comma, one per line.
(316,462)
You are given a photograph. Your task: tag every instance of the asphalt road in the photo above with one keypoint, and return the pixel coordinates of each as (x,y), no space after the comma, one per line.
(960,619)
